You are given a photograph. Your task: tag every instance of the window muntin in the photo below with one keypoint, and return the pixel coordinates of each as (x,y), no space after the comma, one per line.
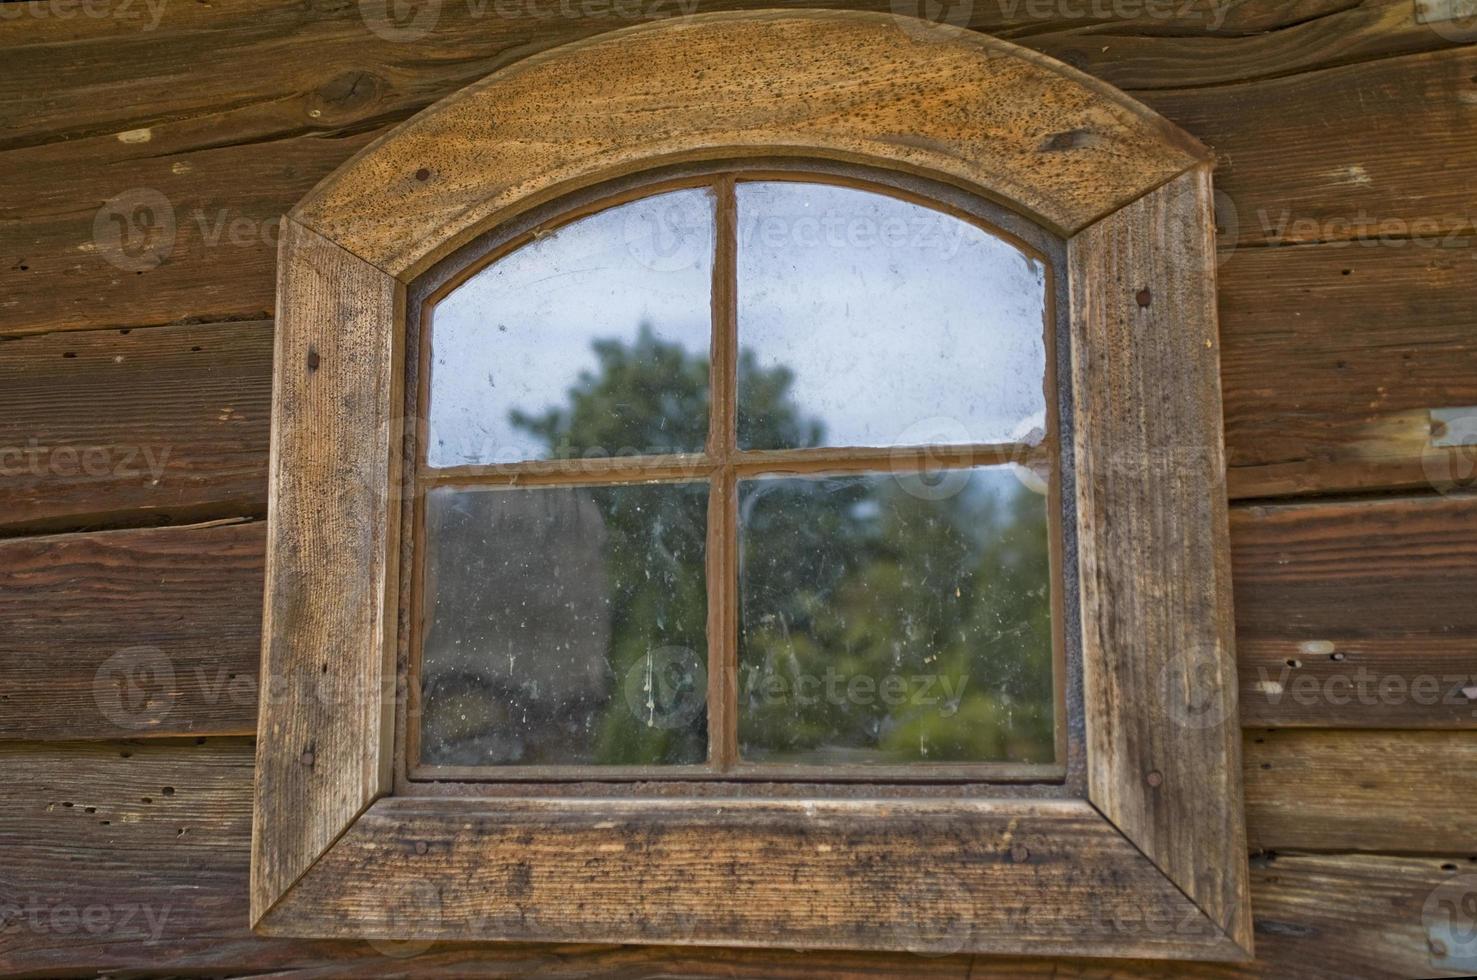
(658,231)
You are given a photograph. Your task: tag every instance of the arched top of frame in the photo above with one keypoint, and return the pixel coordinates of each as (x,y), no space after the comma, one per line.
(868,88)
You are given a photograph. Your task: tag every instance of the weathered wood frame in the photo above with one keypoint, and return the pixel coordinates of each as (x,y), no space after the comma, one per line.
(1151,864)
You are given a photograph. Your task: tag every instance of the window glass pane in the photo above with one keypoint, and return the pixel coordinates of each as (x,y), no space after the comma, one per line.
(895,619)
(592,340)
(565,625)
(884,322)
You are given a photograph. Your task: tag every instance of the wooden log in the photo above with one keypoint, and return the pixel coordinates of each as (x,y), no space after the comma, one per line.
(1357,614)
(165,425)
(154,874)
(1296,162)
(1399,792)
(1212,47)
(131,633)
(1334,358)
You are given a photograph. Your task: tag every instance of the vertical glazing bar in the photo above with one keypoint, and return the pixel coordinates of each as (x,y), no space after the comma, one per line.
(722,559)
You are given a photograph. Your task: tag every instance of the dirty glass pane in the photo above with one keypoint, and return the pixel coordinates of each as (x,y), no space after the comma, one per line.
(590,341)
(565,625)
(890,324)
(895,619)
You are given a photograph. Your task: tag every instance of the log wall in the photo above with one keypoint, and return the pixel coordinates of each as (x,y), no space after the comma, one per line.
(134,416)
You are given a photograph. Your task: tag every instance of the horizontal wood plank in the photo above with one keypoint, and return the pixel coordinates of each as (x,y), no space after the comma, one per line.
(131,633)
(1397,792)
(1297,161)
(165,882)
(800,874)
(129,854)
(164,425)
(1368,599)
(1211,46)
(1357,614)
(1334,358)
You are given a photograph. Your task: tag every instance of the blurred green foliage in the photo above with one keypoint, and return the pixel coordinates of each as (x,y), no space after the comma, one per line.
(882,618)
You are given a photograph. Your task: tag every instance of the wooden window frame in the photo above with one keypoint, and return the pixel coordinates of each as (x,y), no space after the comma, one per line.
(1148,860)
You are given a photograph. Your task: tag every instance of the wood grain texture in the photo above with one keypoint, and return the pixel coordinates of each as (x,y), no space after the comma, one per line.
(1327,394)
(131,633)
(134,426)
(1154,557)
(128,855)
(165,878)
(1334,356)
(1311,157)
(1358,614)
(1328,380)
(1396,792)
(241,143)
(1210,46)
(1037,877)
(1354,592)
(842,86)
(327,634)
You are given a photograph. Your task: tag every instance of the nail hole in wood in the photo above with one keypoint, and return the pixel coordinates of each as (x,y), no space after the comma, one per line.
(1154,778)
(1144,297)
(423,174)
(312,359)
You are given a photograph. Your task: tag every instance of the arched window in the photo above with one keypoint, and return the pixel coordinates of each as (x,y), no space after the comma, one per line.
(740,474)
(755,479)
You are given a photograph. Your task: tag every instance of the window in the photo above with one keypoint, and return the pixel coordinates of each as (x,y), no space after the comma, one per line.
(734,474)
(738,475)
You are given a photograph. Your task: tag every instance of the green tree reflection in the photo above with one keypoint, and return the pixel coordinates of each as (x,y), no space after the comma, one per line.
(880,621)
